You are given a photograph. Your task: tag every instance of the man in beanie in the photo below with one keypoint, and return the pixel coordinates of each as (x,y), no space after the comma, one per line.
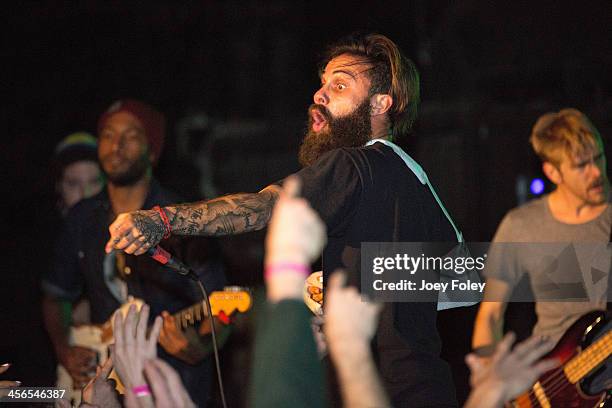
(130,141)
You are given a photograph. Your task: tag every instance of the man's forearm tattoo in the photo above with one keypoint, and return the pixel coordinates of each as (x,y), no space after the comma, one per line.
(150,225)
(232,214)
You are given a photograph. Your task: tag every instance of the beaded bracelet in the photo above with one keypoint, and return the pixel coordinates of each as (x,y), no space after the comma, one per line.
(164,217)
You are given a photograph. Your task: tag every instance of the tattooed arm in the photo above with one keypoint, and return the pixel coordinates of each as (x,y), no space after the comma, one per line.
(232,214)
(137,231)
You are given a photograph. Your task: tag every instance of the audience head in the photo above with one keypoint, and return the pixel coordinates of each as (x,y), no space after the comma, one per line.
(77,171)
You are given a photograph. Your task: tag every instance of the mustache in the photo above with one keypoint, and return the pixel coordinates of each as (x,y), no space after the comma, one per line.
(596,183)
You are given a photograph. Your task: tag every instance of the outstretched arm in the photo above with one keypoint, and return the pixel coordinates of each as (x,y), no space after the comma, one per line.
(232,214)
(138,231)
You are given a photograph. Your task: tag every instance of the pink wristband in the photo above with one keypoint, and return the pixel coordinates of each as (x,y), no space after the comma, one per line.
(141,390)
(284,266)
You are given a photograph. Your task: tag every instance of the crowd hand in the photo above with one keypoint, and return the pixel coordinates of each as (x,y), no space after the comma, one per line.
(177,343)
(4,385)
(168,390)
(132,345)
(295,233)
(296,236)
(101,391)
(349,319)
(80,362)
(511,372)
(135,232)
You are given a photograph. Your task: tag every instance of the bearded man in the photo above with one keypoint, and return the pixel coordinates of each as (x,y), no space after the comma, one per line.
(355,178)
(130,141)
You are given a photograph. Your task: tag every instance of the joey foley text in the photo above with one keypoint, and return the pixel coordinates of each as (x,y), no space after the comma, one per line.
(427,265)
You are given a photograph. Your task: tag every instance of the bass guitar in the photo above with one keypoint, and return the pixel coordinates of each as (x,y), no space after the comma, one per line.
(584,380)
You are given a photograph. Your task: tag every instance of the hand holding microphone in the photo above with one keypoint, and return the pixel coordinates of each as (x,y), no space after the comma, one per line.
(138,231)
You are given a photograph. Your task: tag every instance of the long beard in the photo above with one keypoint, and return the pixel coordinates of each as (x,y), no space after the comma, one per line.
(352,130)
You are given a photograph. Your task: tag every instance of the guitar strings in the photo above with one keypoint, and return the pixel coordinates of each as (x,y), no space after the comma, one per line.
(555,383)
(600,352)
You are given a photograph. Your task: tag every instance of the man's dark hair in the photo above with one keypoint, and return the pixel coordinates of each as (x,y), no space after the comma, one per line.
(391,73)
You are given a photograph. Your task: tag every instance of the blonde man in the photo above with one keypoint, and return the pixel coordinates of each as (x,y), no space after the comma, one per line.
(575,216)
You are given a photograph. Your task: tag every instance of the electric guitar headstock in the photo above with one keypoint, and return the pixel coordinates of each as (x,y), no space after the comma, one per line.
(223,303)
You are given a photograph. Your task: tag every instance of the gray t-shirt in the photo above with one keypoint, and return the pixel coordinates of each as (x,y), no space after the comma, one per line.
(541,243)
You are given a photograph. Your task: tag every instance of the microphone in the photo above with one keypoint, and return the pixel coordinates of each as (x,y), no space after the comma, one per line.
(163,257)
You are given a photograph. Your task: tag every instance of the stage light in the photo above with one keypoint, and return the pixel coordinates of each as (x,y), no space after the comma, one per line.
(537,186)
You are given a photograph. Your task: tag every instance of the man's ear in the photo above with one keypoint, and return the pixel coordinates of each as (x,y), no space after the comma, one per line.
(552,172)
(380,103)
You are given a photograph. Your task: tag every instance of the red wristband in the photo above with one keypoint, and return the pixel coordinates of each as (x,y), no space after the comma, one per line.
(141,390)
(284,266)
(164,217)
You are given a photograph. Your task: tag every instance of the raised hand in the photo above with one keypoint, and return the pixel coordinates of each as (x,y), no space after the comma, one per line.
(296,236)
(349,319)
(166,384)
(507,374)
(295,232)
(132,346)
(135,232)
(350,323)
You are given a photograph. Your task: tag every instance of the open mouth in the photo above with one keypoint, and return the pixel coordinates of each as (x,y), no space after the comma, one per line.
(318,120)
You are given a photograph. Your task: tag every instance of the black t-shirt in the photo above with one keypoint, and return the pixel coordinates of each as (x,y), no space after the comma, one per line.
(368,194)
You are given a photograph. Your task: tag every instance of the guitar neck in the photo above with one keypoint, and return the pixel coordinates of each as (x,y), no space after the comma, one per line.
(191,315)
(581,365)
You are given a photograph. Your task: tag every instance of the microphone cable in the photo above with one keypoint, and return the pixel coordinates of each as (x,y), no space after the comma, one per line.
(162,256)
(213,332)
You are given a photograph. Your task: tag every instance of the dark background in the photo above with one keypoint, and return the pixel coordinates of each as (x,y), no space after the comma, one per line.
(234,79)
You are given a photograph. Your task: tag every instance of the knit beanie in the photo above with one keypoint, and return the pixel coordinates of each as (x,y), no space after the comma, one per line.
(152,120)
(78,146)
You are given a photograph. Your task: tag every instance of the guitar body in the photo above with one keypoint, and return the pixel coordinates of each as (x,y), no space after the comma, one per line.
(555,388)
(97,338)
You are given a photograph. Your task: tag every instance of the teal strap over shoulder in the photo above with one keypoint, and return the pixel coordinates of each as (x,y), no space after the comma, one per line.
(421,175)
